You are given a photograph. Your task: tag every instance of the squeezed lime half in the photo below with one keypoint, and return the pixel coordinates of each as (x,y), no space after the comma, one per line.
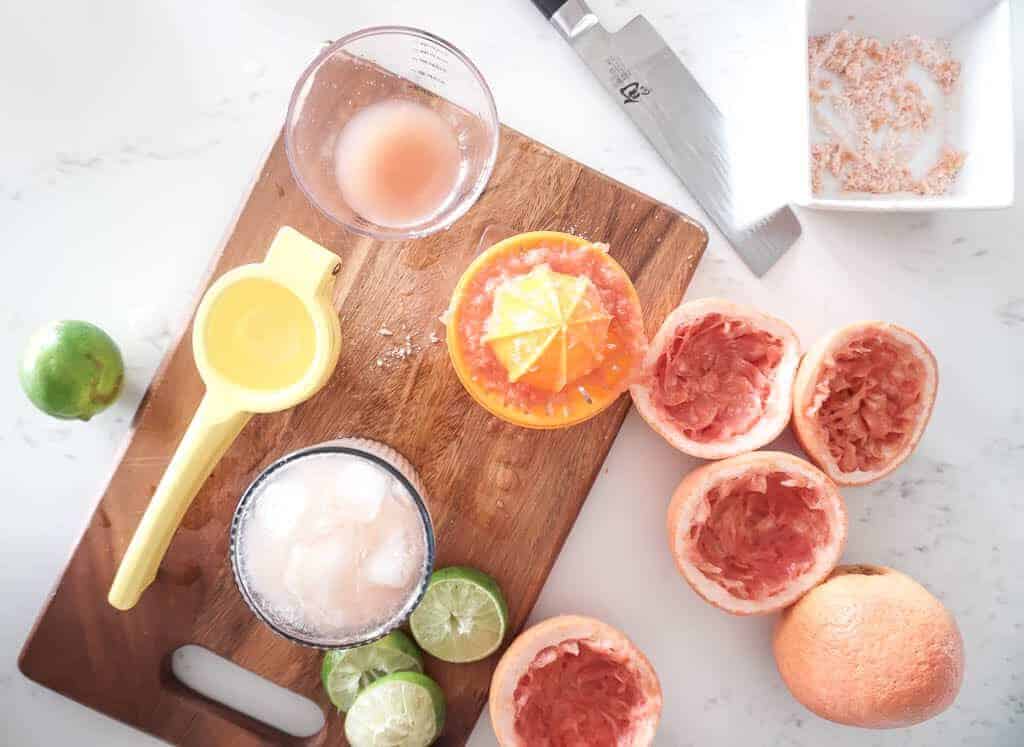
(463,616)
(404,709)
(347,672)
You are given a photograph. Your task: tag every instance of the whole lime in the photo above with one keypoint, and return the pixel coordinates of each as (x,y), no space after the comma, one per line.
(72,370)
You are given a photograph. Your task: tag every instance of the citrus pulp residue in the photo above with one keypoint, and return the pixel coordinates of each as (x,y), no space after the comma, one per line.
(576,694)
(867,400)
(715,377)
(622,345)
(756,533)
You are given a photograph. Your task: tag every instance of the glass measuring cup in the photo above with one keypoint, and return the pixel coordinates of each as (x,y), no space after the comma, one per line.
(380,64)
(265,338)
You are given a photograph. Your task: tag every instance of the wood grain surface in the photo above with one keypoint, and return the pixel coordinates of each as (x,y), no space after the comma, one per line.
(502,498)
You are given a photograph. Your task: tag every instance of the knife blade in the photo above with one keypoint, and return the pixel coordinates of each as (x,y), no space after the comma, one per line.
(651,85)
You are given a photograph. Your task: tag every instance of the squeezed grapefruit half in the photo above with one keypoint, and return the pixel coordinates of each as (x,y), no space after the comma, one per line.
(574,680)
(753,533)
(861,400)
(717,379)
(545,329)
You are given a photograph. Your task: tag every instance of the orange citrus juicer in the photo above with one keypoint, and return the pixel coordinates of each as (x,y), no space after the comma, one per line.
(266,337)
(548,331)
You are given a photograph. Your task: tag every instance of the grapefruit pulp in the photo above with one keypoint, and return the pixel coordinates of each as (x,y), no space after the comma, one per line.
(870,647)
(545,330)
(753,533)
(717,378)
(574,680)
(862,398)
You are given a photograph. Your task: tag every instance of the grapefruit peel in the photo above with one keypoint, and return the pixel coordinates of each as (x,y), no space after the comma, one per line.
(870,647)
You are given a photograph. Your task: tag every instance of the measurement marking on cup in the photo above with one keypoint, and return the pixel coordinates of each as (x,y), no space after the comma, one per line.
(426,74)
(431,63)
(432,51)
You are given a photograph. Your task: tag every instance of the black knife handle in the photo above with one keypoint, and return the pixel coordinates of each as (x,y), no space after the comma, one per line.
(548,7)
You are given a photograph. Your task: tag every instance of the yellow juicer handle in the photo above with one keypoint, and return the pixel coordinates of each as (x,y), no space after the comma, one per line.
(212,430)
(308,270)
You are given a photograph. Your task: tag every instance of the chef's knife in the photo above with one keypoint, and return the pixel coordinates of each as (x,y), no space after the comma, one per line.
(640,70)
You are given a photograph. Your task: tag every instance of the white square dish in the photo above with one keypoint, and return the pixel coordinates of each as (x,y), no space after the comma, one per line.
(981,122)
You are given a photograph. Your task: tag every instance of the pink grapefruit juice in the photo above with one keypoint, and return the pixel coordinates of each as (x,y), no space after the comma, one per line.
(333,547)
(397,163)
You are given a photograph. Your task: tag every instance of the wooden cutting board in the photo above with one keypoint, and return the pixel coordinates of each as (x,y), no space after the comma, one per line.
(502,498)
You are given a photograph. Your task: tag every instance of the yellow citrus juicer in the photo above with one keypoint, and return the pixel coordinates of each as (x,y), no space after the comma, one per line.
(266,337)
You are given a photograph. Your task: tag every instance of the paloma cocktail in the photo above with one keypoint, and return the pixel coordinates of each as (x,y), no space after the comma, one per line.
(332,545)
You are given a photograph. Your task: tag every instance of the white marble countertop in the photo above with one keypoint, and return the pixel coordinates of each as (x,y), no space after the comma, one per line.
(130,132)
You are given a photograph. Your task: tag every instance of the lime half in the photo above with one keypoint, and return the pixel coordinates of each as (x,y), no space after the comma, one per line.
(347,672)
(405,709)
(463,616)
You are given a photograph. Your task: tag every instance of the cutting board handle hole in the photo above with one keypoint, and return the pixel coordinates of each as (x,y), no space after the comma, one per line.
(235,687)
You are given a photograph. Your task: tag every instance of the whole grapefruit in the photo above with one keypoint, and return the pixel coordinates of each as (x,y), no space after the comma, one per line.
(870,647)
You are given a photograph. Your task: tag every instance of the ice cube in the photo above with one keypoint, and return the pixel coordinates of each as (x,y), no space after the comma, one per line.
(314,568)
(331,514)
(390,563)
(279,508)
(361,488)
(263,557)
